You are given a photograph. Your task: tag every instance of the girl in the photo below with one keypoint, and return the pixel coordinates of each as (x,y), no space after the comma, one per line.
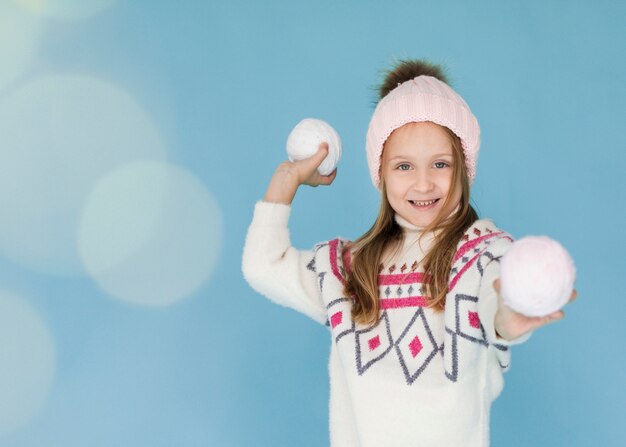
(420,336)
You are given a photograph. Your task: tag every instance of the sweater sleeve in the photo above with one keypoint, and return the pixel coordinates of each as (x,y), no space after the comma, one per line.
(488,305)
(274,268)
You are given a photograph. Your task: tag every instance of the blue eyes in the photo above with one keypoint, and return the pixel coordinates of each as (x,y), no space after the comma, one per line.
(437,164)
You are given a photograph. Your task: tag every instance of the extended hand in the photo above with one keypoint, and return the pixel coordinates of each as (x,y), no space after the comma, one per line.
(511,325)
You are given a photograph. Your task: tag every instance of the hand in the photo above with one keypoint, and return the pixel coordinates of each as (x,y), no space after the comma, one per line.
(305,170)
(291,174)
(511,325)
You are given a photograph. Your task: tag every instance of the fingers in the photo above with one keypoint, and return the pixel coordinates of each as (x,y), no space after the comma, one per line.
(555,316)
(547,319)
(314,178)
(307,168)
(496,284)
(328,179)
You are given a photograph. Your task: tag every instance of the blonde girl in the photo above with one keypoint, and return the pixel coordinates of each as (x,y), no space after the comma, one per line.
(419,334)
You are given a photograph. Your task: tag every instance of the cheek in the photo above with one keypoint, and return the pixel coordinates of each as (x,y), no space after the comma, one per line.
(447,180)
(395,188)
(392,193)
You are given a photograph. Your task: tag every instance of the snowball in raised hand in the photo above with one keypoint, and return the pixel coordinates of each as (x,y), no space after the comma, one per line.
(304,141)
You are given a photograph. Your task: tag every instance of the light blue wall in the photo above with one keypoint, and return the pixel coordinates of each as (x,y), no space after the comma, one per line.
(136,136)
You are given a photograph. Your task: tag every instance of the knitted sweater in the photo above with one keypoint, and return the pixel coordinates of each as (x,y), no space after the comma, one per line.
(419,377)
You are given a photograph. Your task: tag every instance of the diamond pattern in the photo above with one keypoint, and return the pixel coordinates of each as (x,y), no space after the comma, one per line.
(336,319)
(372,344)
(340,320)
(416,347)
(414,344)
(473,319)
(467,319)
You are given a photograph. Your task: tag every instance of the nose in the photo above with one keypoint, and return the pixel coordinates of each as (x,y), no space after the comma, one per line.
(422,182)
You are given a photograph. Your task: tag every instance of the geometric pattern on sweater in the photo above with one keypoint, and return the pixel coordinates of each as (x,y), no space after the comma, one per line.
(467,321)
(401,290)
(340,318)
(416,345)
(372,344)
(462,320)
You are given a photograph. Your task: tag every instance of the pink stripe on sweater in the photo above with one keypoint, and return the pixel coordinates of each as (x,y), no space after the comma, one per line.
(388,280)
(473,243)
(347,259)
(462,271)
(397,303)
(333,260)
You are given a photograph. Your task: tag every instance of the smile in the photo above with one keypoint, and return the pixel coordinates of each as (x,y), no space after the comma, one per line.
(423,204)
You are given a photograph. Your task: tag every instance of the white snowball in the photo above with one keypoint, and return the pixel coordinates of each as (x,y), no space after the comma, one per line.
(537,276)
(305,138)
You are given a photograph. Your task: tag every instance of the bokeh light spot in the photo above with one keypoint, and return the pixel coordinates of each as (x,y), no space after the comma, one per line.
(150,233)
(19,42)
(65,9)
(60,134)
(27,359)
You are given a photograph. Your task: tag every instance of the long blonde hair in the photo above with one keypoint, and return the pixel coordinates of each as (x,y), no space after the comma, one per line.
(386,235)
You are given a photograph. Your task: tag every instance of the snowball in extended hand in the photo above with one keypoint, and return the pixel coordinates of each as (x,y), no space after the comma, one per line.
(537,276)
(304,141)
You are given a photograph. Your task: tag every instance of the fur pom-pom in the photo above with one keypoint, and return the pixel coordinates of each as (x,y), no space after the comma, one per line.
(537,276)
(304,141)
(405,70)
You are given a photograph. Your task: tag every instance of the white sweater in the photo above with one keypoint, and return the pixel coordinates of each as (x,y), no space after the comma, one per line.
(418,378)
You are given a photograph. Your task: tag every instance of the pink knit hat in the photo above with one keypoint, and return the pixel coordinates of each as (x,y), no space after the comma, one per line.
(423,98)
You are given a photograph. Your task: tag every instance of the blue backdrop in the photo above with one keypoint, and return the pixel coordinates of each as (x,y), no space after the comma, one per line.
(136,136)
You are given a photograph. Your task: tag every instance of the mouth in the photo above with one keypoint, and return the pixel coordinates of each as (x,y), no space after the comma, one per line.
(422,204)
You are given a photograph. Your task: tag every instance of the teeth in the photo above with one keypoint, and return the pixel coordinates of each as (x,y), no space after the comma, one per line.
(429,202)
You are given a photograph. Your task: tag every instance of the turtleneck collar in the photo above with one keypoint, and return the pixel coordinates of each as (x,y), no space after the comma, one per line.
(407,226)
(412,233)
(415,243)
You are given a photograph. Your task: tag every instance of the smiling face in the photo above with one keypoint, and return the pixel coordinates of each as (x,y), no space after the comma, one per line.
(418,170)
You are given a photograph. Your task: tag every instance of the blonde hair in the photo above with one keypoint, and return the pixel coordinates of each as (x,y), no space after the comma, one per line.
(386,235)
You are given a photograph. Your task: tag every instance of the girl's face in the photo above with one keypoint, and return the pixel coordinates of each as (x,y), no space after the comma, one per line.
(417,167)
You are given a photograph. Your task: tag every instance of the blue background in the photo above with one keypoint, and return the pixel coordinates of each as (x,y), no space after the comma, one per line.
(223,83)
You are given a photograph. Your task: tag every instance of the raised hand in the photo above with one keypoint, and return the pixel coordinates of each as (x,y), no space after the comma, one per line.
(291,174)
(511,325)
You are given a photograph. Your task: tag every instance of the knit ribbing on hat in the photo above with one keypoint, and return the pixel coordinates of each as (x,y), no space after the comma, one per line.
(423,98)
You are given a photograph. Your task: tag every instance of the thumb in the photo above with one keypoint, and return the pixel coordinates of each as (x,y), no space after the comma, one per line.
(320,155)
(310,164)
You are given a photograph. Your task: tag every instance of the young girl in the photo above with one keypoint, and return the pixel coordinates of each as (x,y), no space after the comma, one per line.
(420,336)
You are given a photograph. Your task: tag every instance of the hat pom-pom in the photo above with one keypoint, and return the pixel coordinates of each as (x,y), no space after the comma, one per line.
(304,141)
(537,276)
